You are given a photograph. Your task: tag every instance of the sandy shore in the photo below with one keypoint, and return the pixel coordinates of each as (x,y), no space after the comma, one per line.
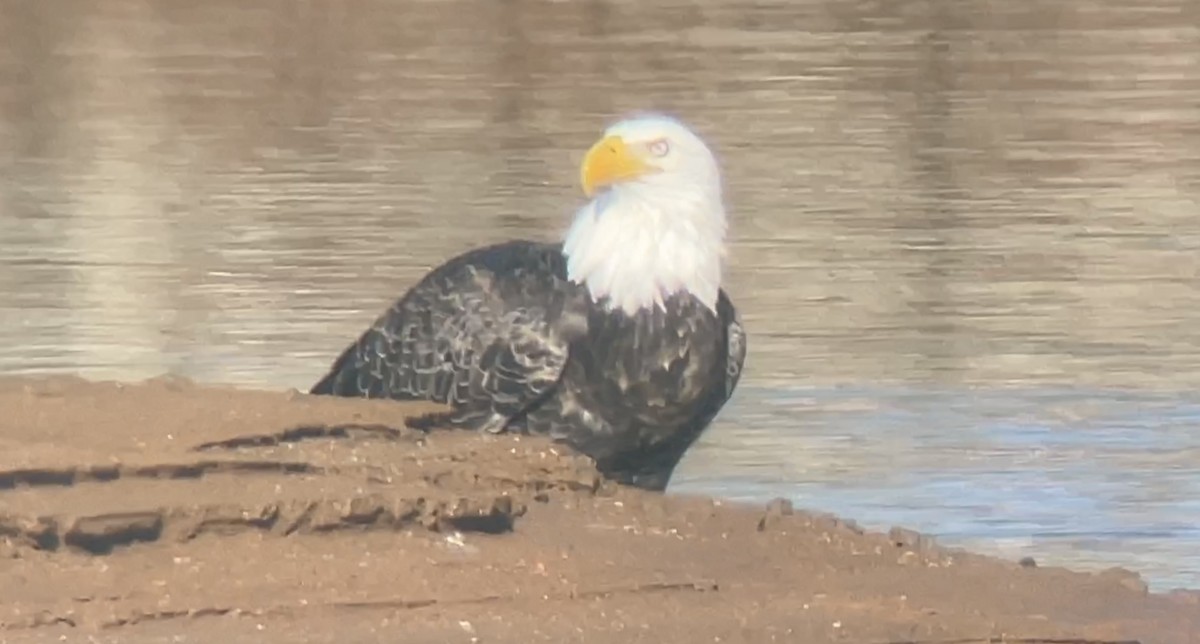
(165,511)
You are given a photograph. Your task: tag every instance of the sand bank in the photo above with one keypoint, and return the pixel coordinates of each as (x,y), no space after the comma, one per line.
(166,511)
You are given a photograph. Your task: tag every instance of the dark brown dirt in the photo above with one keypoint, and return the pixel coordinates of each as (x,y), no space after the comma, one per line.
(164,511)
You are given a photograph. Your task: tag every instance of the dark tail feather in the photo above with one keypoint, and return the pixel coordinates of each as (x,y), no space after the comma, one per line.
(331,384)
(325,386)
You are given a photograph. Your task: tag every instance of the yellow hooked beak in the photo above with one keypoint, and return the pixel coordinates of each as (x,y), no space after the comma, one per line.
(611,161)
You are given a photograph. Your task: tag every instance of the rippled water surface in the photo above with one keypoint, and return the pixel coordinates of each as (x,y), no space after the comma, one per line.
(965,236)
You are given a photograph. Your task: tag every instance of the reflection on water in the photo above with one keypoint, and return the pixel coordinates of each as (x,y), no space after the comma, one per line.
(960,227)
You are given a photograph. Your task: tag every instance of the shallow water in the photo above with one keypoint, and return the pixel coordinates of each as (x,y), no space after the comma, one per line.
(1069,476)
(964,242)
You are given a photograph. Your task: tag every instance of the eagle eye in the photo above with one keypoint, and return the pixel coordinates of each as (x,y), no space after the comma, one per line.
(659,147)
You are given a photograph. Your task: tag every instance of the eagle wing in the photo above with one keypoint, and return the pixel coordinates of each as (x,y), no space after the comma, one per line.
(735,345)
(487,333)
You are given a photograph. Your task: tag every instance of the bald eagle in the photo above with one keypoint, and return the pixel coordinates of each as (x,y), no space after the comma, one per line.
(619,341)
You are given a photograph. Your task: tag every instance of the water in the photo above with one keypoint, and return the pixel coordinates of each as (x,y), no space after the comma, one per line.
(965,233)
(1081,477)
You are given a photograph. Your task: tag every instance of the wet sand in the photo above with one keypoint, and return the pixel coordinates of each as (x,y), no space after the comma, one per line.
(167,511)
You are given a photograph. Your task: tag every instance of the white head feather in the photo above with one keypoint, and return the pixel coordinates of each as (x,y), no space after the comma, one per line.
(656,232)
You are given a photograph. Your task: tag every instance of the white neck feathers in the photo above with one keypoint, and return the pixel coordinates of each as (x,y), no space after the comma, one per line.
(637,244)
